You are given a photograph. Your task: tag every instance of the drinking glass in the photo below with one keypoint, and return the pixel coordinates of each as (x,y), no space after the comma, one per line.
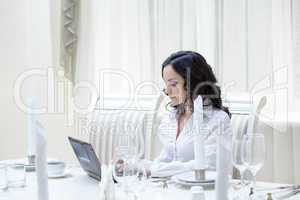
(125,168)
(238,163)
(16,175)
(254,154)
(3,177)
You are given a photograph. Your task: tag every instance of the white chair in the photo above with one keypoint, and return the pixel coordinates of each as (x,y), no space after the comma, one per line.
(282,145)
(244,119)
(112,121)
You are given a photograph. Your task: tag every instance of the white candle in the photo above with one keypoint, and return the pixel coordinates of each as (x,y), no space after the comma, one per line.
(223,167)
(41,163)
(199,151)
(199,134)
(31,139)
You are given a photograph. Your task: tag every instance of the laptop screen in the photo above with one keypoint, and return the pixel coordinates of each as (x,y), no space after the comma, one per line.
(86,157)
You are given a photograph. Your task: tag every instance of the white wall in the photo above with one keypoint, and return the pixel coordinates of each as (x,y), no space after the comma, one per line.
(25,44)
(12,51)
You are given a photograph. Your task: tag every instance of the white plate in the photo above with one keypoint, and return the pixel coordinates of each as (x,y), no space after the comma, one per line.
(189,177)
(207,184)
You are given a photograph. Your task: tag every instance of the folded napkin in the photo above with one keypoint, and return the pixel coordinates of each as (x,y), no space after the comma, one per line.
(199,134)
(41,162)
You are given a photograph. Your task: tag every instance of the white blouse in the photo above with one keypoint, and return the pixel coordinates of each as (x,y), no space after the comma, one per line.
(177,156)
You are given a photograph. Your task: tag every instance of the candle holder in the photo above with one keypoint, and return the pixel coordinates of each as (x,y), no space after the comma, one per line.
(199,174)
(30,166)
(31,159)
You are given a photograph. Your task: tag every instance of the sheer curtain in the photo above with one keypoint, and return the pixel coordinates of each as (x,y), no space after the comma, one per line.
(122,44)
(186,25)
(296,50)
(246,42)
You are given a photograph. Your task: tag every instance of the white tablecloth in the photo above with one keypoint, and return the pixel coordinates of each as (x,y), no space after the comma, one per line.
(77,186)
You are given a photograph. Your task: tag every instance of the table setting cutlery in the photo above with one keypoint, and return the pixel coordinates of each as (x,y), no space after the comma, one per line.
(278,192)
(288,195)
(278,188)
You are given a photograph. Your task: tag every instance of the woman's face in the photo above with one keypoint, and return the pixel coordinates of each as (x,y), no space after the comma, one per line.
(174,85)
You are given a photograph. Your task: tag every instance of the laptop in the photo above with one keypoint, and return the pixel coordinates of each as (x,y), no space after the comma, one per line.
(86,157)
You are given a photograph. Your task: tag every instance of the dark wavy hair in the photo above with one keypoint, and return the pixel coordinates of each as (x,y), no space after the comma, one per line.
(198,76)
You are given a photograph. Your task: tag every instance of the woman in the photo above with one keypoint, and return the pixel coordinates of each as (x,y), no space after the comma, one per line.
(188,77)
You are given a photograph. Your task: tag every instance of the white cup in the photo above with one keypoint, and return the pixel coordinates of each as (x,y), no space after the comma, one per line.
(56,168)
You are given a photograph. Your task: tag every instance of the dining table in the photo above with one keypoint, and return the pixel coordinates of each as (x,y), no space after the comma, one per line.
(77,185)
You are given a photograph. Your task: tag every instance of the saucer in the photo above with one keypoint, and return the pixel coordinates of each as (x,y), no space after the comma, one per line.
(189,177)
(190,184)
(54,176)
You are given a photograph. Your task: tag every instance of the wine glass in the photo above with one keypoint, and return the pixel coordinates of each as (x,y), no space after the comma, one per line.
(254,153)
(237,157)
(238,162)
(124,162)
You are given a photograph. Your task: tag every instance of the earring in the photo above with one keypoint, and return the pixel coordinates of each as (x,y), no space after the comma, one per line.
(164,91)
